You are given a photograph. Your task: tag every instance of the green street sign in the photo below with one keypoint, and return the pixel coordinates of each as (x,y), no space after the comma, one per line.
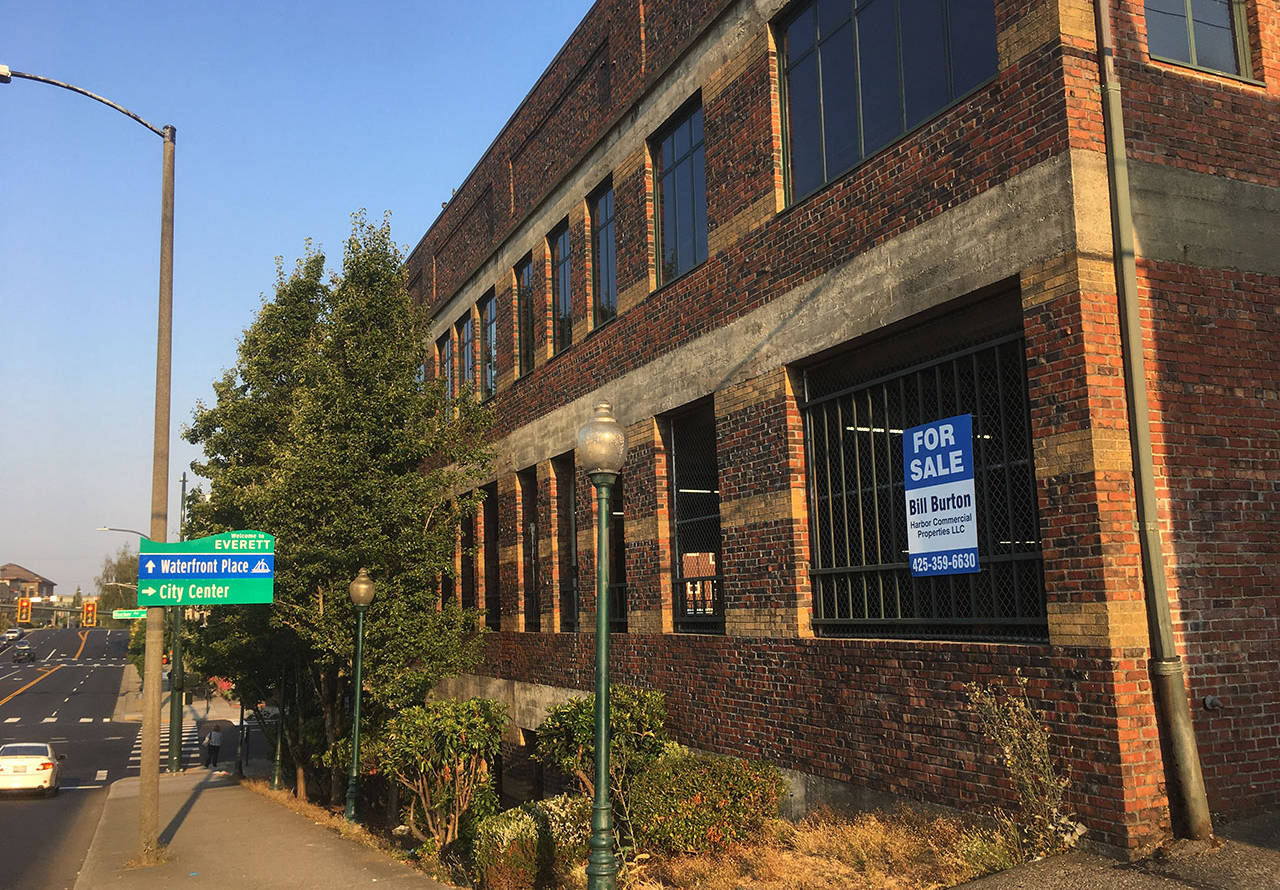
(232,568)
(128,614)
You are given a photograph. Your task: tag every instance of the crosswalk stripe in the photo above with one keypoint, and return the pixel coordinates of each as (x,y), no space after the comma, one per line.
(12,719)
(49,720)
(86,719)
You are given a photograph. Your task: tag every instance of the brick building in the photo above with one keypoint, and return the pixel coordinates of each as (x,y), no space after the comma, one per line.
(15,582)
(775,236)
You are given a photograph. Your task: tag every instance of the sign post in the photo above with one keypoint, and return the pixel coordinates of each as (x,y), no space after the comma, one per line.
(942,511)
(233,568)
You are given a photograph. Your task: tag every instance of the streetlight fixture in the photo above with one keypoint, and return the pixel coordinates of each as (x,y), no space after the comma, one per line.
(601,452)
(361,592)
(149,772)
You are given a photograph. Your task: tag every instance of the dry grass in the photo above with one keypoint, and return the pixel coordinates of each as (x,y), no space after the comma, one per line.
(903,850)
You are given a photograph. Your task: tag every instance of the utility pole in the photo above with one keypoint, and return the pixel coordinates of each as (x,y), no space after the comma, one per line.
(176,681)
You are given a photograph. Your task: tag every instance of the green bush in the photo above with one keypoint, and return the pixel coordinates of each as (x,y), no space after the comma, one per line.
(537,844)
(695,803)
(441,753)
(637,738)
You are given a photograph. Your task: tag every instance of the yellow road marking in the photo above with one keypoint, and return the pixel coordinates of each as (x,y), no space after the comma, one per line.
(18,692)
(84,638)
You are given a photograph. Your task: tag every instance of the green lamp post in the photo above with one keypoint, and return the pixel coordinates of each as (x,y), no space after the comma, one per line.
(601,451)
(361,592)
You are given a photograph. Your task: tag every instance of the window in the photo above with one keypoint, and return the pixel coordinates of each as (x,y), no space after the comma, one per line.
(682,194)
(859,73)
(468,561)
(525,313)
(617,561)
(466,353)
(856,409)
(604,257)
(444,362)
(1203,33)
(488,346)
(492,567)
(529,515)
(561,292)
(695,513)
(567,540)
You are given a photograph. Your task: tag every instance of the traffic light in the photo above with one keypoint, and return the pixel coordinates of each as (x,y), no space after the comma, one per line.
(24,610)
(90,617)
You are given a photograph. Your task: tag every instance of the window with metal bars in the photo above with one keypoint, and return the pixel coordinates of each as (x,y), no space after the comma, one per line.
(1205,34)
(857,74)
(529,518)
(567,539)
(468,561)
(492,584)
(862,584)
(617,560)
(561,290)
(697,583)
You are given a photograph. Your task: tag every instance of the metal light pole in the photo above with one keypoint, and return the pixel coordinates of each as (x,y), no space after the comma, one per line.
(361,592)
(601,451)
(176,680)
(149,779)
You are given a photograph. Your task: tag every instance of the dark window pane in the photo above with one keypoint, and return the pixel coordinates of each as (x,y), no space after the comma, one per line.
(1215,49)
(973,43)
(839,102)
(697,164)
(832,14)
(668,227)
(804,127)
(1175,7)
(695,127)
(878,75)
(684,218)
(924,59)
(1167,36)
(680,141)
(799,34)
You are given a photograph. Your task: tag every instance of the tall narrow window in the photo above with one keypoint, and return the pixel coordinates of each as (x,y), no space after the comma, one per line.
(529,519)
(492,567)
(859,73)
(488,346)
(682,193)
(444,362)
(695,512)
(468,561)
(525,313)
(618,560)
(466,353)
(1203,33)
(567,540)
(604,257)
(561,292)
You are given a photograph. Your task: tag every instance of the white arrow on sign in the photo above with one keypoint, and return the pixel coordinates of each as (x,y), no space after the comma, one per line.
(151,566)
(148,590)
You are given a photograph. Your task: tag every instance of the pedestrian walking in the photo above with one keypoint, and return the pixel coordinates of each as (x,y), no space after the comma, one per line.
(212,742)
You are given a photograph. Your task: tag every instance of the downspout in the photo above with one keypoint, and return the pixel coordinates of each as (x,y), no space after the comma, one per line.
(1188,806)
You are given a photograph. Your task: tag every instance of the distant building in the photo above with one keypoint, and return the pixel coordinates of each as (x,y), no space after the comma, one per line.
(778,237)
(16,581)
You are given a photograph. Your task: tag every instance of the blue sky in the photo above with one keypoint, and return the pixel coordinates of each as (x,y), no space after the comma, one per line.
(290,116)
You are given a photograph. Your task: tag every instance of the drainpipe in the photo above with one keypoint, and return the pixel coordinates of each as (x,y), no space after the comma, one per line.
(1188,806)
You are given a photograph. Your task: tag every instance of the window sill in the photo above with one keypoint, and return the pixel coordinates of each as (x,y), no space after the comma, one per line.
(1179,63)
(683,275)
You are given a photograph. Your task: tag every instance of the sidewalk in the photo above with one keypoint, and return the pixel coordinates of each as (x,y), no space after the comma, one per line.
(1247,858)
(128,706)
(219,833)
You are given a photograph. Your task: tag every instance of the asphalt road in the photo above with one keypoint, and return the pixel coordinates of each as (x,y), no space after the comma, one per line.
(65,697)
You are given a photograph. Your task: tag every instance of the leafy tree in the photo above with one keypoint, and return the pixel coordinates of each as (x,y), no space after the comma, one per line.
(327,435)
(117,585)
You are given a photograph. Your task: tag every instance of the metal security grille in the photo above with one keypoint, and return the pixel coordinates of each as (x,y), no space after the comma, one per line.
(532,571)
(697,585)
(468,562)
(492,585)
(617,562)
(567,543)
(862,584)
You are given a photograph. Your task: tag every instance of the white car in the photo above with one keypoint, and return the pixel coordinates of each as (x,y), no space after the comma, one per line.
(30,766)
(13,633)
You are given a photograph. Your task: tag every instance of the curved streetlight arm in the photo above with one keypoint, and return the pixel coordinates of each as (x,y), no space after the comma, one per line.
(6,73)
(127,531)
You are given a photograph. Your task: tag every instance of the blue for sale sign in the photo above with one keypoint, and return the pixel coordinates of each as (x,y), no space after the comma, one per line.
(942,512)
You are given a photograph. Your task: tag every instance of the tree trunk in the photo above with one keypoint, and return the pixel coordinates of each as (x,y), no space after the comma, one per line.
(329,704)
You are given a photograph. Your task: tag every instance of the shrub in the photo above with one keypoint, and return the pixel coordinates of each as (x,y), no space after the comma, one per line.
(441,753)
(1022,742)
(537,844)
(637,738)
(693,803)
